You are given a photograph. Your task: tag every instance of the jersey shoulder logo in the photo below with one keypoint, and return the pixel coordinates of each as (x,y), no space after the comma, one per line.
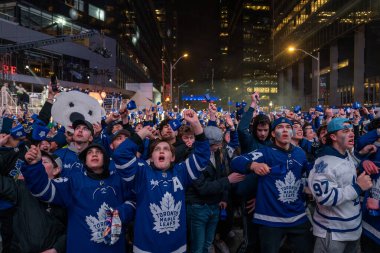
(288,189)
(320,167)
(98,224)
(166,216)
(61,180)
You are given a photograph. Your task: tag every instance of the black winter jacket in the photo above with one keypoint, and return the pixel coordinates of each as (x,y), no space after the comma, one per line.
(211,187)
(37,226)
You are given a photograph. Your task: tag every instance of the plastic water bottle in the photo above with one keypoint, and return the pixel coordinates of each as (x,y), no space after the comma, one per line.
(373,212)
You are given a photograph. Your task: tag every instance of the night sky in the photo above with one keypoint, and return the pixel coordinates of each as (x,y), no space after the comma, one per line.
(198,33)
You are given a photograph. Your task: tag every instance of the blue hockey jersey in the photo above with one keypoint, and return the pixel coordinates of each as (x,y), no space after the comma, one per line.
(86,200)
(160,224)
(371,224)
(70,161)
(279,200)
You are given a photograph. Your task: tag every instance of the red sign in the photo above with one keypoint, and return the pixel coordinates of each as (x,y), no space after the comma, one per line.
(9,69)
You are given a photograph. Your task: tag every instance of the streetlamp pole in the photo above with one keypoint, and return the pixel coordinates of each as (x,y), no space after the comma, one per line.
(179,86)
(317,58)
(172,66)
(171,86)
(318,76)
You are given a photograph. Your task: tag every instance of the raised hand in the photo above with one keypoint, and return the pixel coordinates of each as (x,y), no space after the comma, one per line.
(97,128)
(254,99)
(112,117)
(33,155)
(4,139)
(192,118)
(123,106)
(212,111)
(229,120)
(145,132)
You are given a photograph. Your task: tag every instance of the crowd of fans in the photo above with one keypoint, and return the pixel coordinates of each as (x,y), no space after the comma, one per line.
(156,181)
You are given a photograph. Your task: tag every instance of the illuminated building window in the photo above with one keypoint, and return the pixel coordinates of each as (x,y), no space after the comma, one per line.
(79,5)
(317,4)
(263,89)
(256,7)
(96,12)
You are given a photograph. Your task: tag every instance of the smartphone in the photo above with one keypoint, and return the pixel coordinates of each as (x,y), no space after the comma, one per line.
(54,85)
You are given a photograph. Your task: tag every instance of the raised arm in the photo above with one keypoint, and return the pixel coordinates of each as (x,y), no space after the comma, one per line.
(124,156)
(197,161)
(245,137)
(55,191)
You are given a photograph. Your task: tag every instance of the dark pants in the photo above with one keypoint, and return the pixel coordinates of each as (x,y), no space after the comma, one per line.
(299,237)
(6,221)
(202,222)
(251,241)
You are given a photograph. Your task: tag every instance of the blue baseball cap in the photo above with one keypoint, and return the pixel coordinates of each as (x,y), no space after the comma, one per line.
(131,105)
(175,124)
(356,105)
(281,120)
(337,124)
(297,109)
(319,108)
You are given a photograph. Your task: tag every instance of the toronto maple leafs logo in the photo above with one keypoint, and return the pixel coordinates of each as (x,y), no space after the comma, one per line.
(288,188)
(97,225)
(15,172)
(320,167)
(166,216)
(42,134)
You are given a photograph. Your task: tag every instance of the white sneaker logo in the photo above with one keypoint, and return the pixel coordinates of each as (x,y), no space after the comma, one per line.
(166,217)
(288,189)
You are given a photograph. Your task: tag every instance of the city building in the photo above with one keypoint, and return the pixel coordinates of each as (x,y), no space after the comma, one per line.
(167,18)
(334,53)
(126,48)
(246,48)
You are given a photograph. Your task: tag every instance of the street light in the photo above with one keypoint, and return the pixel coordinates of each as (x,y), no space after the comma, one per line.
(317,58)
(172,66)
(181,85)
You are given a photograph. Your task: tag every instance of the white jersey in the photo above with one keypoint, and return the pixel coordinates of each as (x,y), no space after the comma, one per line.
(332,182)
